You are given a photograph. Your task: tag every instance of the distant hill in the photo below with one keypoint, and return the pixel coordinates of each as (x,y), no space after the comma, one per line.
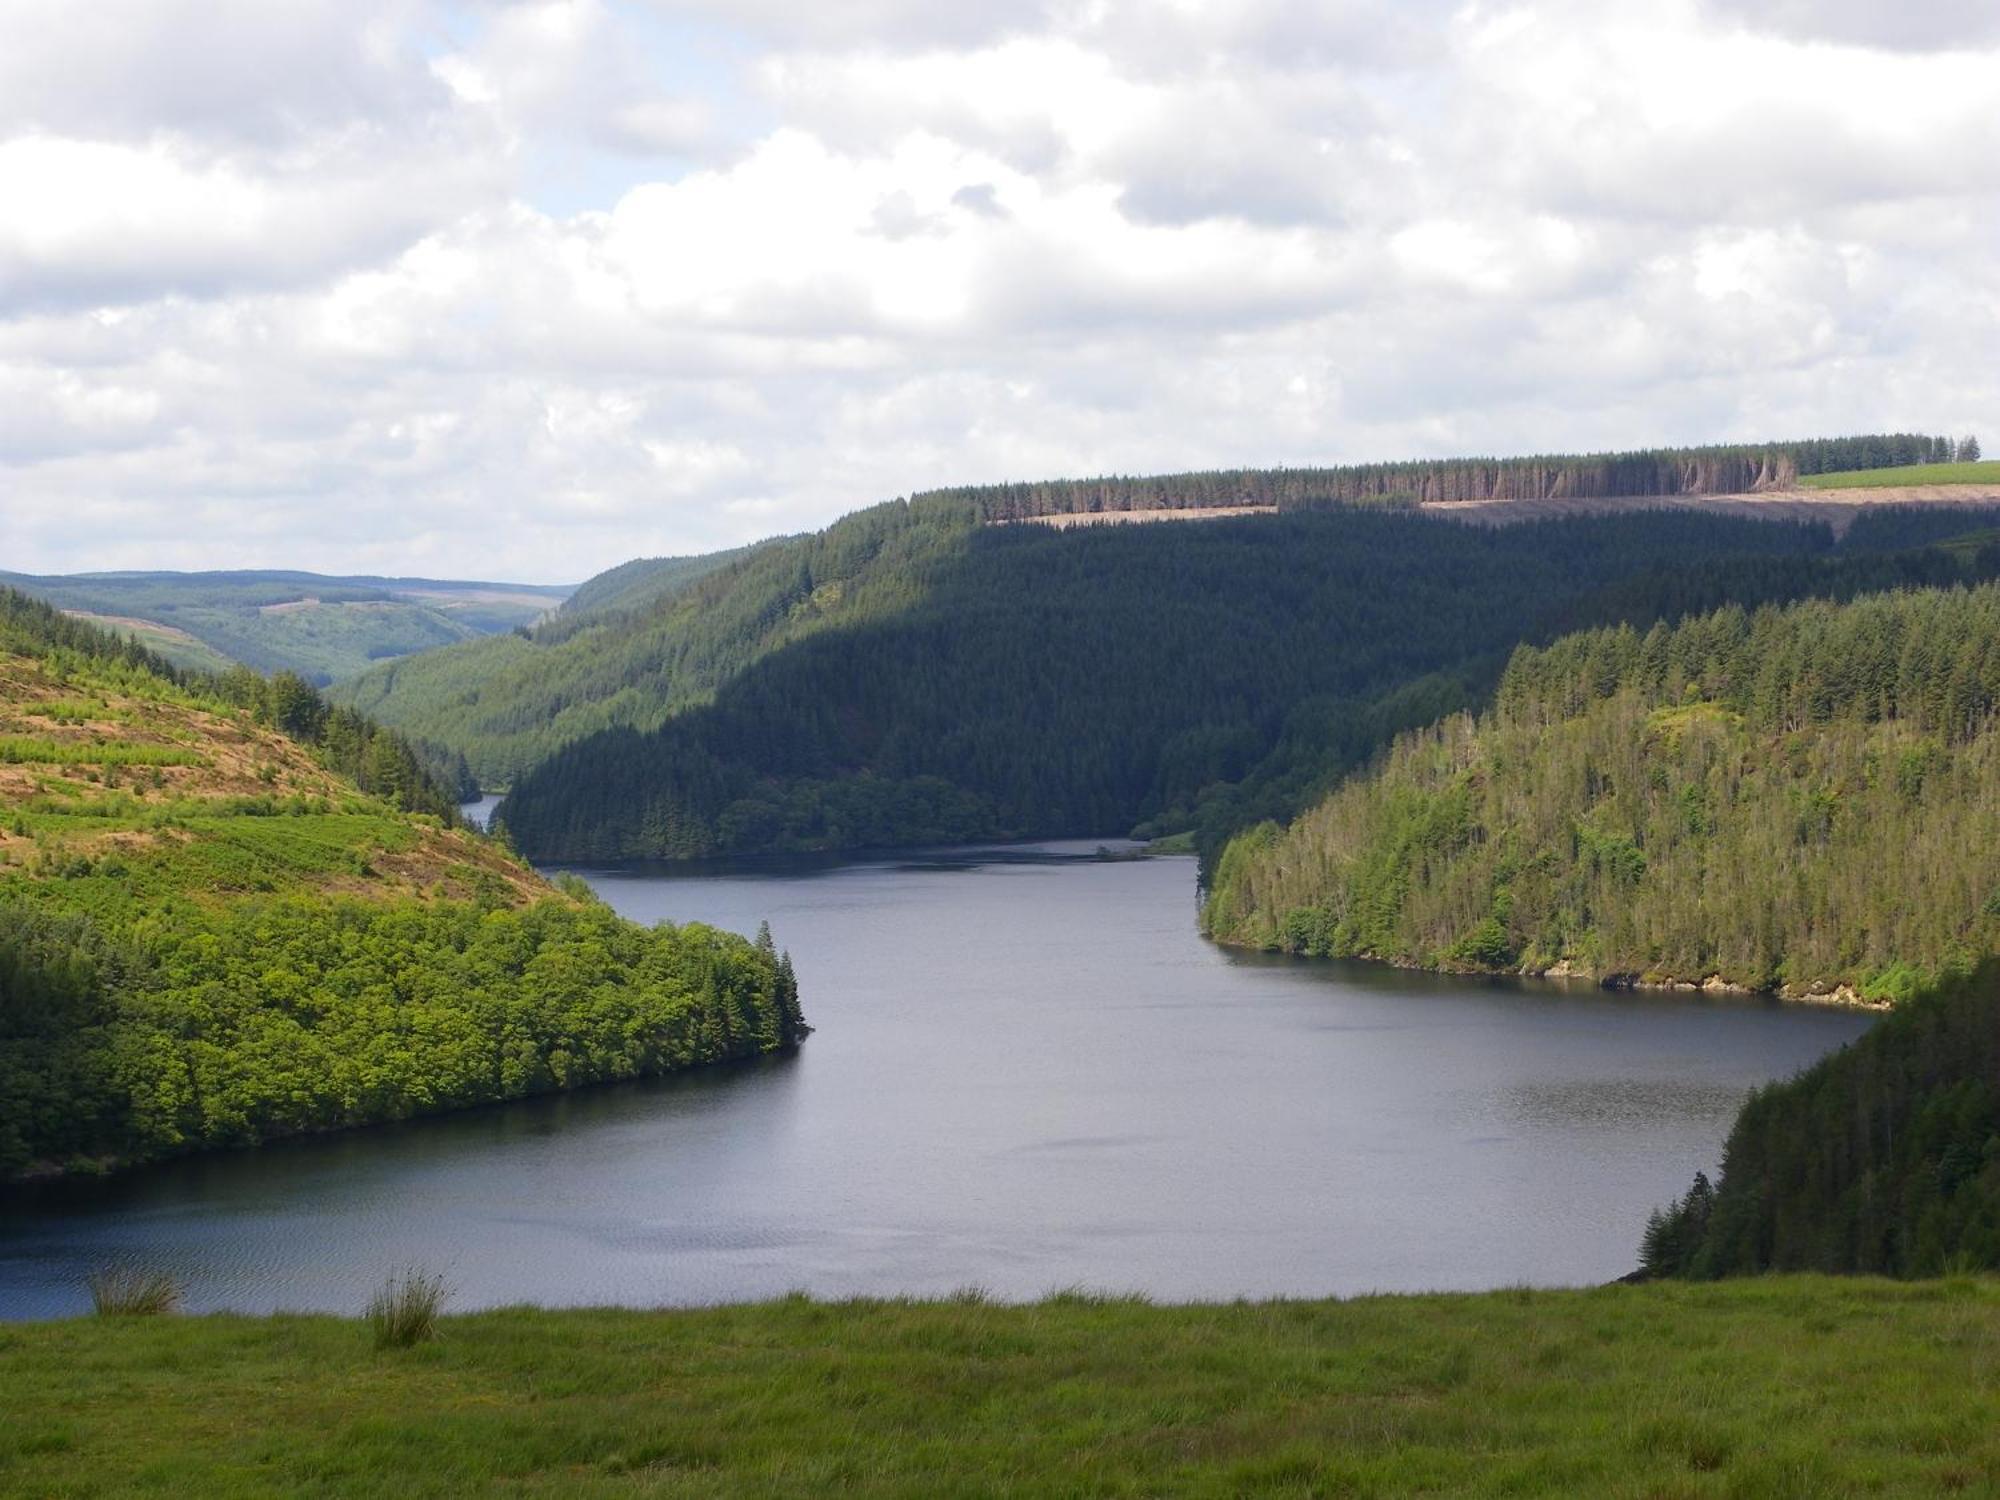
(324,628)
(653,637)
(656,637)
(1652,473)
(920,678)
(645,581)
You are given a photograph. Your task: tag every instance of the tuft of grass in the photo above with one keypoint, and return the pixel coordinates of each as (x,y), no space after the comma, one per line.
(125,1291)
(404,1309)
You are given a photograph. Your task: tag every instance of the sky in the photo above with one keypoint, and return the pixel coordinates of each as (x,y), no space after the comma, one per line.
(522,288)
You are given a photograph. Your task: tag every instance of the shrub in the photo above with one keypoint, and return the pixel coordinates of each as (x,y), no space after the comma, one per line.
(404,1311)
(122,1291)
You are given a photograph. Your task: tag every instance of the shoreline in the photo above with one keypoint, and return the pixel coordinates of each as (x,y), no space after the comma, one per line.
(1834,996)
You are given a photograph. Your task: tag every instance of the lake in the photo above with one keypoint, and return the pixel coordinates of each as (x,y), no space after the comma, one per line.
(1029,1073)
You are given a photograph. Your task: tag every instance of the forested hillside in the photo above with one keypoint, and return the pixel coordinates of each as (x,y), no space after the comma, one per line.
(1717,470)
(652,637)
(1882,1158)
(322,628)
(645,581)
(212,934)
(1036,683)
(646,642)
(1795,798)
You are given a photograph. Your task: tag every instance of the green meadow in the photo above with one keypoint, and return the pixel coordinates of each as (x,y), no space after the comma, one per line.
(1790,1386)
(1978,472)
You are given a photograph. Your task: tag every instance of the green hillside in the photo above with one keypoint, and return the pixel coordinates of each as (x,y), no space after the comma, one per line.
(229,914)
(1882,1158)
(168,642)
(647,640)
(1969,472)
(1782,1386)
(1796,798)
(1022,681)
(322,628)
(645,581)
(653,637)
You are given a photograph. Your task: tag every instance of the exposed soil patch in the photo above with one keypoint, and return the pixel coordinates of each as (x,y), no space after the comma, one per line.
(87,726)
(131,623)
(294,606)
(1067,520)
(449,597)
(1837,508)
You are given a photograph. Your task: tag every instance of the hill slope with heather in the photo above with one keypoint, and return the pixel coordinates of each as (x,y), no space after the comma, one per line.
(214,931)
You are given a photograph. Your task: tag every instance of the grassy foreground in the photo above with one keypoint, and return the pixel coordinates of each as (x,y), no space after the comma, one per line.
(1781,1386)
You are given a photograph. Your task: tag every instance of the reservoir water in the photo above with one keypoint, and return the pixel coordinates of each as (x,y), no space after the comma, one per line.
(1029,1073)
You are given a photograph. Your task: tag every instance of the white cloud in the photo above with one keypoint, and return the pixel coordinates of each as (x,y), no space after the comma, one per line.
(1908,25)
(527,287)
(837,23)
(244,73)
(101,222)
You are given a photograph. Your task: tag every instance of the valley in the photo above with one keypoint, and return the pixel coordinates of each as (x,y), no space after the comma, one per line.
(1054,1081)
(1687,756)
(917,675)
(1727,747)
(320,627)
(1106,751)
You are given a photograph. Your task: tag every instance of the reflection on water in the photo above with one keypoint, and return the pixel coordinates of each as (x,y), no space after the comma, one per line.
(1029,1073)
(1622,1104)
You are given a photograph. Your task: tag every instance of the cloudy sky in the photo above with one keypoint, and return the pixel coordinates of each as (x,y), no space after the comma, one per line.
(520,290)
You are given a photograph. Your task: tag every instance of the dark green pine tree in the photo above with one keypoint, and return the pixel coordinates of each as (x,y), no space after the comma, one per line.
(1674,1235)
(792,1019)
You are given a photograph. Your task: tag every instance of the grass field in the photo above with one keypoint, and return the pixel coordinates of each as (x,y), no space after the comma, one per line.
(1775,1387)
(1984,472)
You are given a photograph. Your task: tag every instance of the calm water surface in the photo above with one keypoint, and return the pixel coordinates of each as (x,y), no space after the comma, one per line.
(1029,1073)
